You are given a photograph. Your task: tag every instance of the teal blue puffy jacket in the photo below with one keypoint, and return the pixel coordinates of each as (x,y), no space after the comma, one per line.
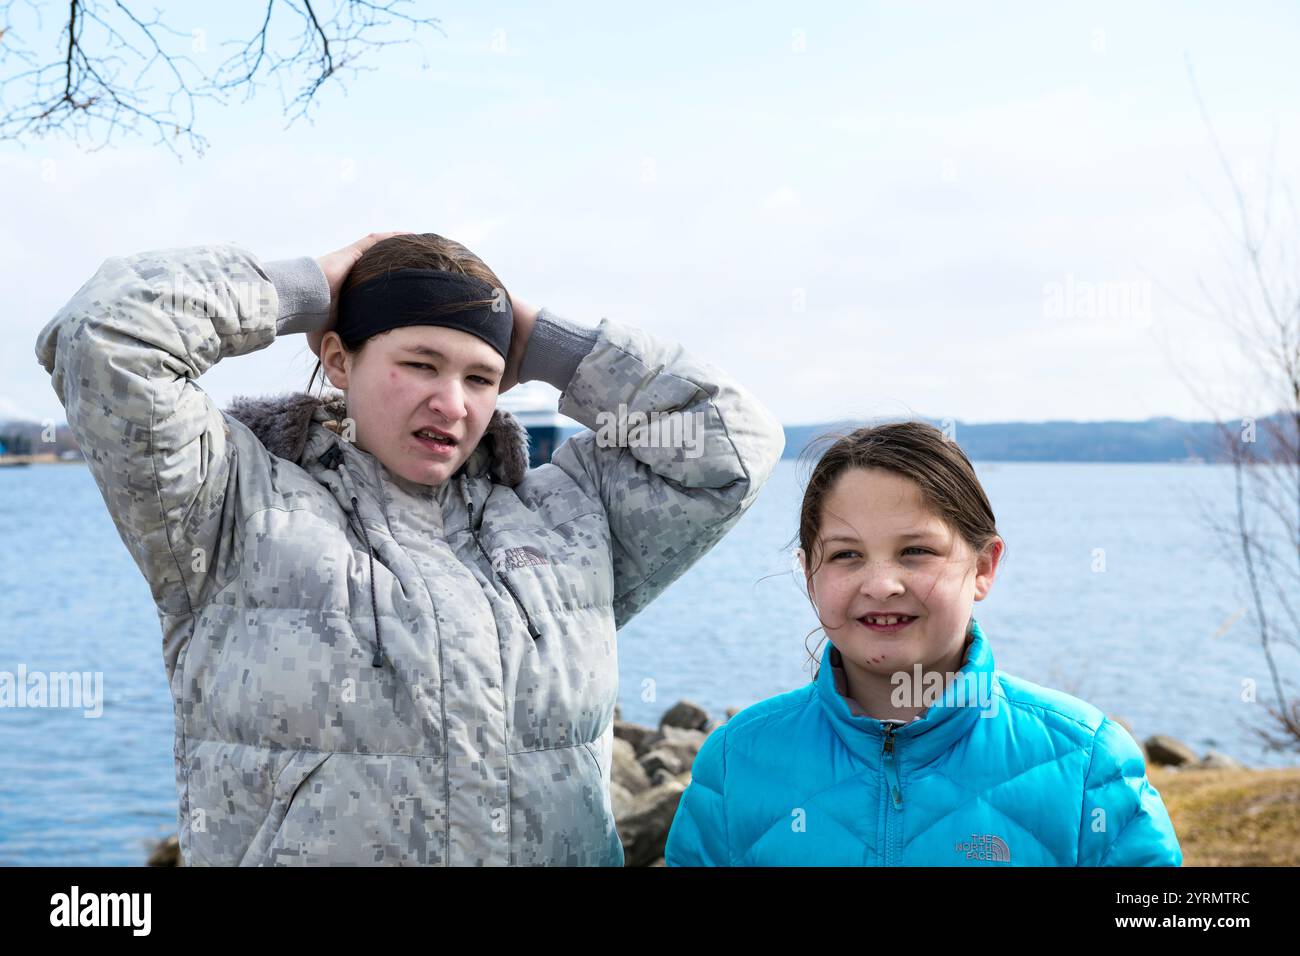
(998,772)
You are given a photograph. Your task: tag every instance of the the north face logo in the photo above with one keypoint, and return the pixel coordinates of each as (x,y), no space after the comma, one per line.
(522,557)
(985,846)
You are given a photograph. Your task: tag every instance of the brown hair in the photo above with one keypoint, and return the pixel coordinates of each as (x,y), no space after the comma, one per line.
(915,450)
(425,250)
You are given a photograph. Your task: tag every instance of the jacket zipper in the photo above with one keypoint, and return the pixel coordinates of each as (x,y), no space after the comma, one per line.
(532,628)
(889,758)
(378,659)
(333,459)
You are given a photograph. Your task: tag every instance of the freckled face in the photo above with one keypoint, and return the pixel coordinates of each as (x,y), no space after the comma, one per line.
(415,379)
(883,551)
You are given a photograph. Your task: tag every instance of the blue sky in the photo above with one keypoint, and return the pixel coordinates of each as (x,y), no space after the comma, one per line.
(855,209)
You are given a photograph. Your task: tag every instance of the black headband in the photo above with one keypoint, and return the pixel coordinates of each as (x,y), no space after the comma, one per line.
(417,297)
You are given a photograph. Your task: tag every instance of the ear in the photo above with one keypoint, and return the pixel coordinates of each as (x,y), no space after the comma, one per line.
(802,557)
(986,567)
(334,360)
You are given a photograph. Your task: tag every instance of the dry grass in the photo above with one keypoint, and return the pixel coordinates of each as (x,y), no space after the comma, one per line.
(1233,817)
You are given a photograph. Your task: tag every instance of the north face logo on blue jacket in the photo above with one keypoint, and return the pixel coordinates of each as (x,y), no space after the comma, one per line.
(985,846)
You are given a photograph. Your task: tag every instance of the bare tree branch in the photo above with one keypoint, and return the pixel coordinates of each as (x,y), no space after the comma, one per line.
(79,85)
(1262,309)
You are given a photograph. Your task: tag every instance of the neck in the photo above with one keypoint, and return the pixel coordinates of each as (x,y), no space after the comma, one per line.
(417,489)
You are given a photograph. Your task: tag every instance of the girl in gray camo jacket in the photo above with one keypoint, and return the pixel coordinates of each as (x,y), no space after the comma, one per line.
(376,658)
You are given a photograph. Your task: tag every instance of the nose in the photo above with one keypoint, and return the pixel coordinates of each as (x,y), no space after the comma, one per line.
(882,580)
(448,400)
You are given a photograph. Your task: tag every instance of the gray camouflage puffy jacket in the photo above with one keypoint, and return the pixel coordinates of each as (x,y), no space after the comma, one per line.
(274,548)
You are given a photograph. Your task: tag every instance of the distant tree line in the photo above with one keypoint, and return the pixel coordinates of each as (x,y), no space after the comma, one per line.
(11,444)
(27,438)
(1153,440)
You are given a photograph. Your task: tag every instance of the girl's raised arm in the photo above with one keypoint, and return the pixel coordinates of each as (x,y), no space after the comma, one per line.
(675,453)
(124,354)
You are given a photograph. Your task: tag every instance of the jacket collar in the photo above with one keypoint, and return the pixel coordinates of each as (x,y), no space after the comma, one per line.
(973,693)
(284,424)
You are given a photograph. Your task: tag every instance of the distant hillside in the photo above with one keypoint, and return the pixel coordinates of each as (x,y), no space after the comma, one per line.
(1153,440)
(1157,439)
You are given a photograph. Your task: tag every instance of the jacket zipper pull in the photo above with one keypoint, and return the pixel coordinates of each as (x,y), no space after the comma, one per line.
(891,766)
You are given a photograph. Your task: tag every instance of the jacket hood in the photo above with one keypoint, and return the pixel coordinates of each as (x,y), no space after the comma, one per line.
(283,423)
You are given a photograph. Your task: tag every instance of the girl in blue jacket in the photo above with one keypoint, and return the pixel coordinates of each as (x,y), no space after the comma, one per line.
(909,748)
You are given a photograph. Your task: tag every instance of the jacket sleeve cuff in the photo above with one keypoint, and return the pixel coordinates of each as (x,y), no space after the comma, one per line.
(555,349)
(303,292)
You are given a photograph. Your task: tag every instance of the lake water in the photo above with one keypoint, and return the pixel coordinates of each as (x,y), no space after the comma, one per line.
(1159,637)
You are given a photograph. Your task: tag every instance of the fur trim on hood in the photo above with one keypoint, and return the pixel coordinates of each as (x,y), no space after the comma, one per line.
(282,423)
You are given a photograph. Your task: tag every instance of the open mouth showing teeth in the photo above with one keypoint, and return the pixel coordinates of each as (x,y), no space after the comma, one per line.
(433,436)
(887,620)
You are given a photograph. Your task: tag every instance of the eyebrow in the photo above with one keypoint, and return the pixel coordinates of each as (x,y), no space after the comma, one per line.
(909,536)
(434,353)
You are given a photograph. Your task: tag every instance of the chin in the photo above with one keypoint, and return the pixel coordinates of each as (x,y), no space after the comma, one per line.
(428,473)
(888,661)
(881,656)
(435,475)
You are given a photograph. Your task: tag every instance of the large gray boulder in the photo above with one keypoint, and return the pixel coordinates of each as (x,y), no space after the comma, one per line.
(641,738)
(644,830)
(1169,751)
(686,715)
(625,768)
